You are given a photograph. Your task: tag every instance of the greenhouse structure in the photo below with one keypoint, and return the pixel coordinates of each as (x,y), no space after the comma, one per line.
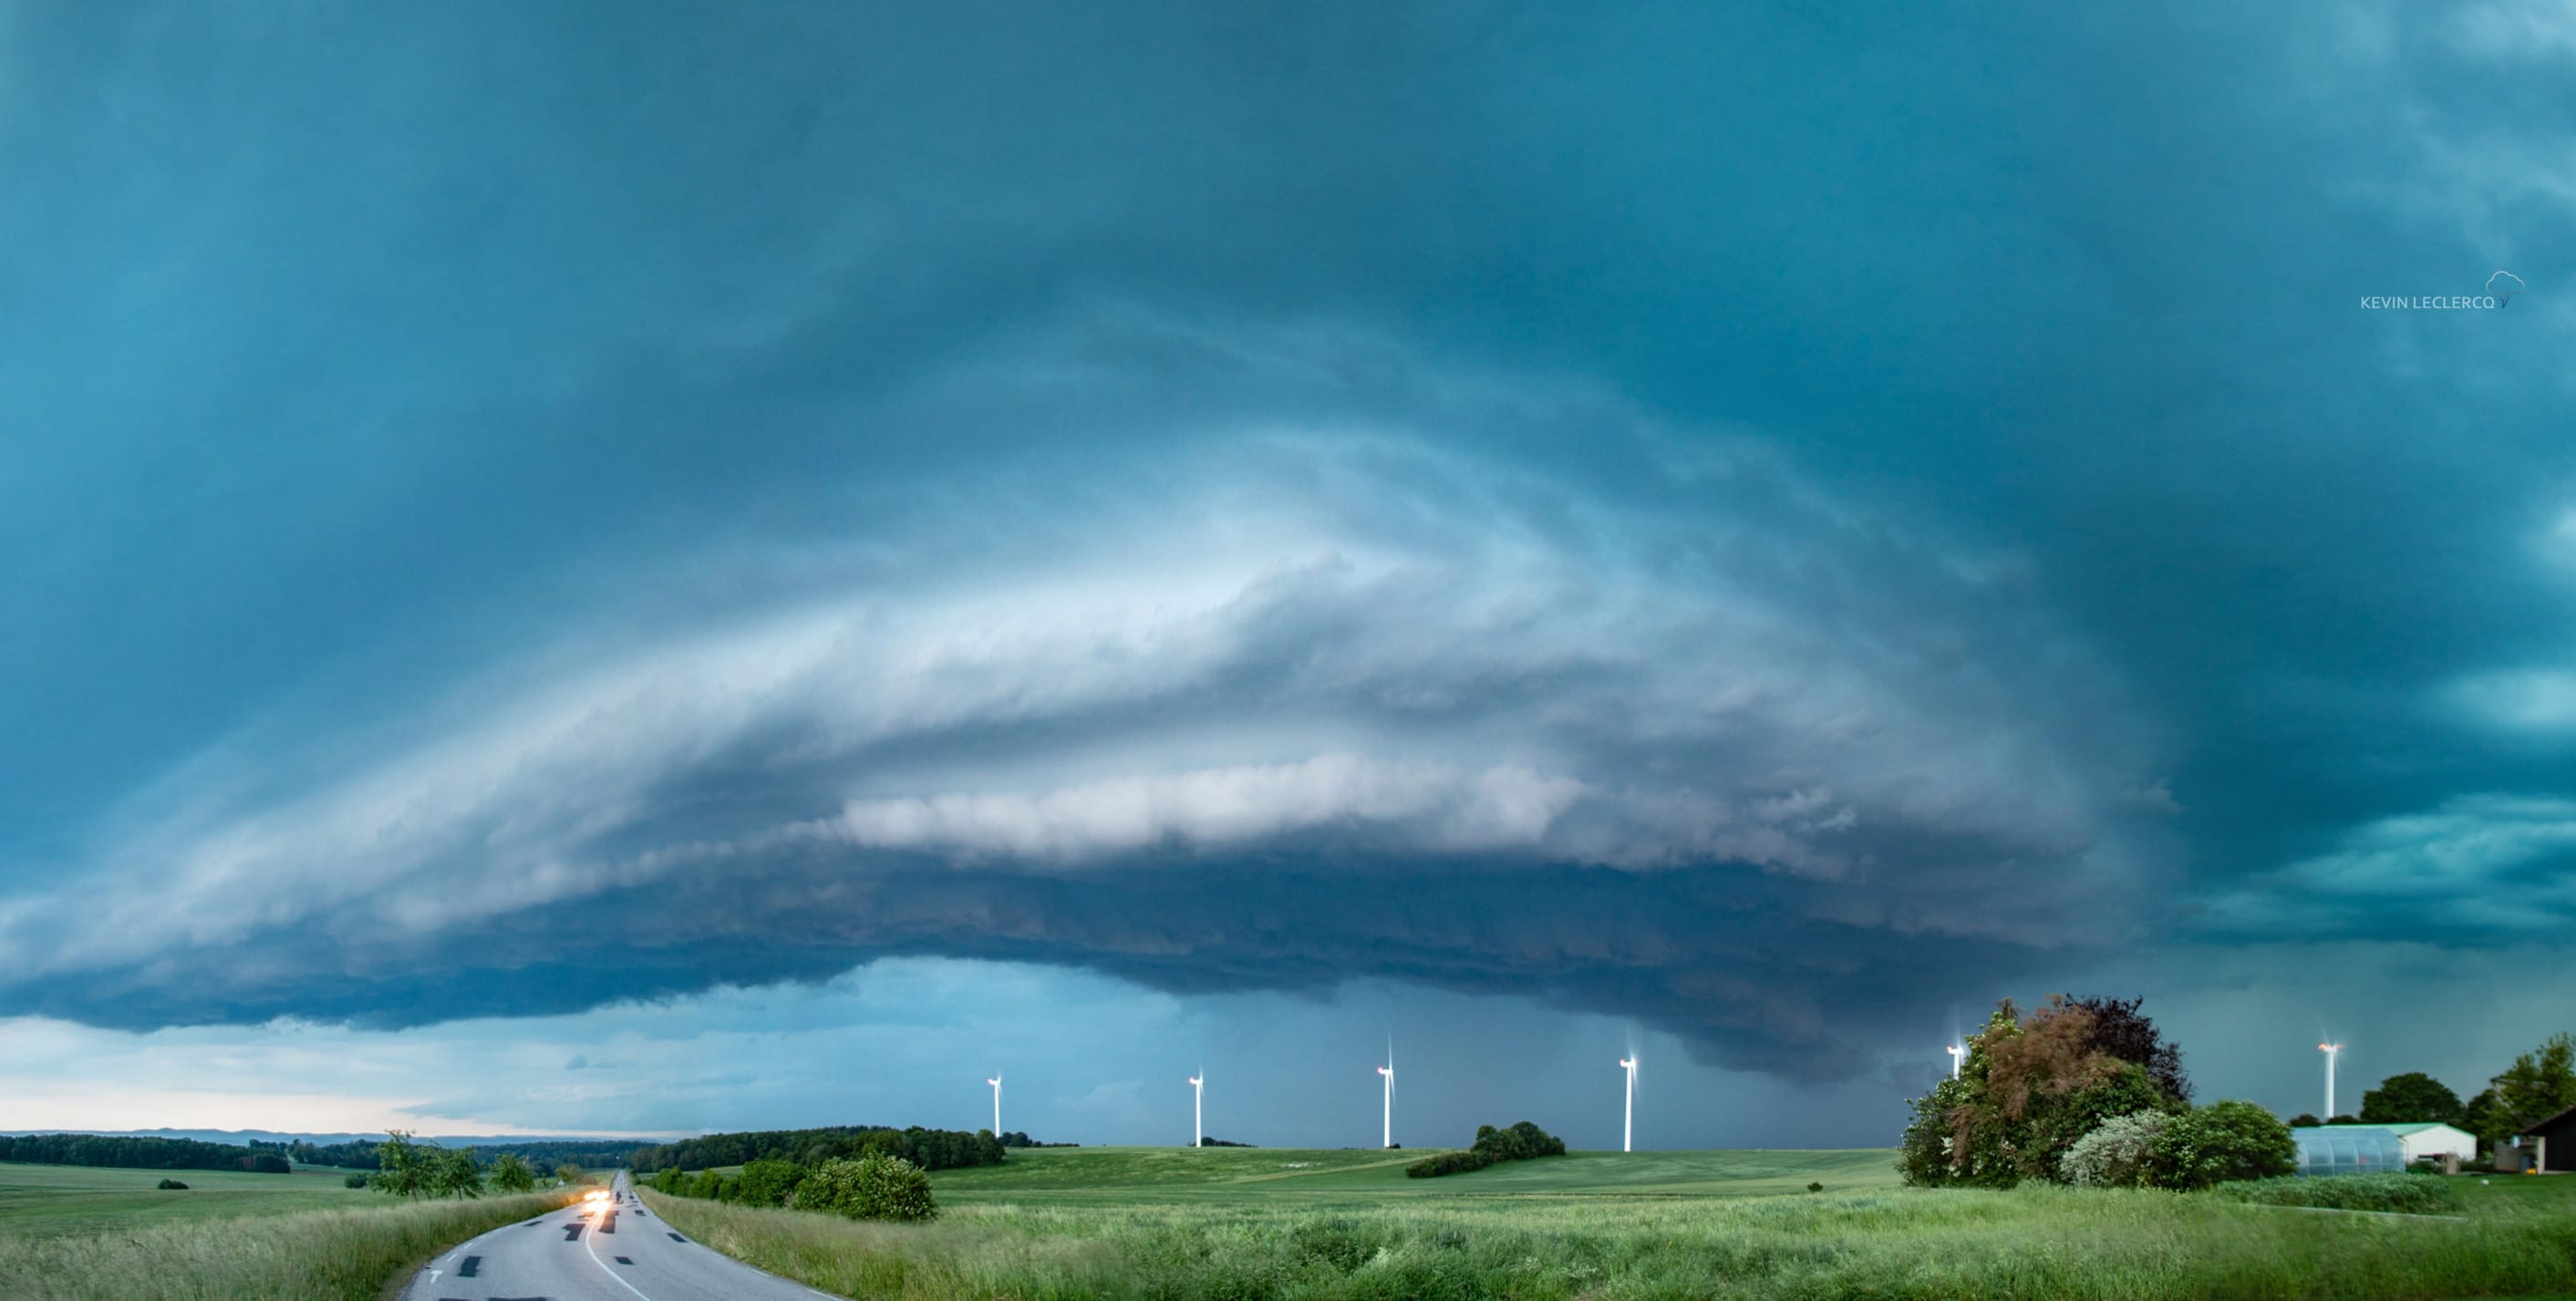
(2348,1150)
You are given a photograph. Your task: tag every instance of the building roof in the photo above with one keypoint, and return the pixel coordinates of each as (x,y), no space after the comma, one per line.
(2537,1126)
(2420,1128)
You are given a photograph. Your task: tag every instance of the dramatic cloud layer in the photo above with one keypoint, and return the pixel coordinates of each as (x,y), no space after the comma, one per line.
(1580,513)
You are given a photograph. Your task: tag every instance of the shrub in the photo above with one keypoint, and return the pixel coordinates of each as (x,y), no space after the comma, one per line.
(2410,1194)
(1449,1163)
(2221,1143)
(708,1184)
(2116,1154)
(173,1184)
(768,1183)
(1815,1187)
(1519,1142)
(354,1181)
(874,1187)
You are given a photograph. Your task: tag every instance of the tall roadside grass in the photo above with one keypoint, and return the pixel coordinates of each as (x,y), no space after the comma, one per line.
(2042,1244)
(349,1255)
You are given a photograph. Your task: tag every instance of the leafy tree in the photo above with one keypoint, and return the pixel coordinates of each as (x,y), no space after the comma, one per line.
(2410,1098)
(2540,1084)
(875,1187)
(2305,1120)
(402,1165)
(2029,1089)
(2221,1142)
(708,1184)
(2121,1030)
(567,1173)
(452,1173)
(512,1175)
(2485,1117)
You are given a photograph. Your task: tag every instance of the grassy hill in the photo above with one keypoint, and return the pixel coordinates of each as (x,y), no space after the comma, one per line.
(1232,1173)
(51,1200)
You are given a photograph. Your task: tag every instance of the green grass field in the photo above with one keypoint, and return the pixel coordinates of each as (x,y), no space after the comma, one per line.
(1274,1225)
(1042,1175)
(48,1200)
(74,1233)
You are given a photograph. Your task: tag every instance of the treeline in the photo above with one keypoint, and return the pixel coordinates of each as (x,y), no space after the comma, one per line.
(139,1153)
(875,1186)
(543,1156)
(928,1149)
(1017,1138)
(1521,1142)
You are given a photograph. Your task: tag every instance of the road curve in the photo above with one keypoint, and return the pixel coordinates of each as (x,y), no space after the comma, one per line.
(608,1249)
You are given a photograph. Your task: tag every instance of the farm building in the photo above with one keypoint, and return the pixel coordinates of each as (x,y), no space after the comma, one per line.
(2348,1150)
(2551,1144)
(2431,1141)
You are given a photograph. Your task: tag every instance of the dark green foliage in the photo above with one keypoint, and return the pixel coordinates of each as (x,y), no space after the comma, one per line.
(407,1167)
(873,1187)
(1017,1138)
(512,1175)
(1815,1187)
(2409,1194)
(2540,1084)
(2484,1116)
(2124,1032)
(2411,1098)
(354,1181)
(171,1185)
(140,1153)
(1211,1140)
(2221,1143)
(928,1149)
(768,1183)
(1448,1163)
(708,1184)
(1519,1142)
(2305,1120)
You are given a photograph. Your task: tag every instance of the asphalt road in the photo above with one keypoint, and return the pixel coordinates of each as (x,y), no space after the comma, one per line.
(607,1250)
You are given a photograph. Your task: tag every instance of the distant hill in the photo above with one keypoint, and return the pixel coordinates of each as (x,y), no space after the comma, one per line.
(243,1137)
(219,1149)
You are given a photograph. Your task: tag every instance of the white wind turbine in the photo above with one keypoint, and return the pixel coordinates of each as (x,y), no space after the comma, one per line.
(2332,1051)
(1628,1124)
(1198,1107)
(1387,1136)
(996,1081)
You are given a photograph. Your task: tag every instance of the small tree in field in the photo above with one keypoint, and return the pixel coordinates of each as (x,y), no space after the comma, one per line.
(452,1173)
(402,1165)
(512,1175)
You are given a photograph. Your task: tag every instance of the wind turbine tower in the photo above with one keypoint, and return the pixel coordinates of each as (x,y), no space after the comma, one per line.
(1387,1138)
(2332,1051)
(1956,1056)
(1198,1107)
(996,1082)
(1628,1123)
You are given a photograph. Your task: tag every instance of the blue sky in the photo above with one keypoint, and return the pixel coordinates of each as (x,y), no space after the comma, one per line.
(575,572)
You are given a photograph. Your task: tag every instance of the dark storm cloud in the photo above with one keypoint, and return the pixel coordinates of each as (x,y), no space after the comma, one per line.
(1766,522)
